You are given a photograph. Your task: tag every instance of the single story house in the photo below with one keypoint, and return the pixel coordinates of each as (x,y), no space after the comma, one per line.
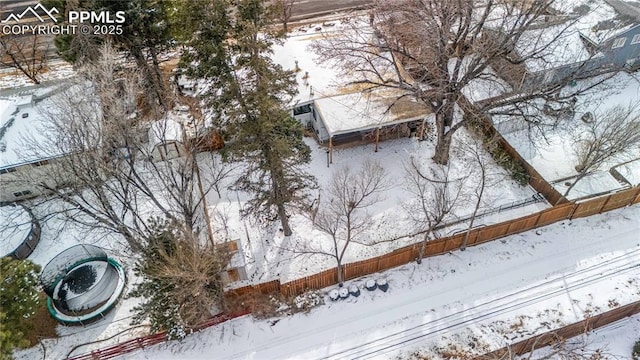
(339,113)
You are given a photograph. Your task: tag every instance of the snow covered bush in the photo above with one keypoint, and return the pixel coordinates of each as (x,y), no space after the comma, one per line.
(180,279)
(19,300)
(636,350)
(305,302)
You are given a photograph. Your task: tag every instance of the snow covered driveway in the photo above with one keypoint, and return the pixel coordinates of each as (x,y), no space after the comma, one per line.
(568,270)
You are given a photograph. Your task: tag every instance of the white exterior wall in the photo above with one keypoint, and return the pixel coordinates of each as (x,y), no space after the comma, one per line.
(318,125)
(304,119)
(21,183)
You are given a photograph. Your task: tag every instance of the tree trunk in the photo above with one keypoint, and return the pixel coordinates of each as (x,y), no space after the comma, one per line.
(442,149)
(163,96)
(444,121)
(473,218)
(284,220)
(475,210)
(277,177)
(151,78)
(340,275)
(423,247)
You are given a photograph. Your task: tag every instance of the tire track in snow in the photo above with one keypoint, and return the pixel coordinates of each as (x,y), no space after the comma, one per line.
(494,307)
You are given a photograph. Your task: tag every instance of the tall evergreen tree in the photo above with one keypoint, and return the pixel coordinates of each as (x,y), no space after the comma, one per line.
(19,300)
(250,94)
(145,34)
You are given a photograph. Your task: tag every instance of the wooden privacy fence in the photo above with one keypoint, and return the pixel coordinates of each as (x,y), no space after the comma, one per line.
(145,341)
(535,179)
(409,253)
(565,332)
(477,236)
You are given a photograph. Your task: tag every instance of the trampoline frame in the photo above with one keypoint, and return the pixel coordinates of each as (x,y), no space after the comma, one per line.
(101,310)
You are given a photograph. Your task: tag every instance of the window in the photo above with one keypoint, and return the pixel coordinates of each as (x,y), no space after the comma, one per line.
(40,163)
(304,109)
(636,39)
(618,43)
(21,193)
(7,170)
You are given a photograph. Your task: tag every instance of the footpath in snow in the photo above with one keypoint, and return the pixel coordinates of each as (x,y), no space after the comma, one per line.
(494,294)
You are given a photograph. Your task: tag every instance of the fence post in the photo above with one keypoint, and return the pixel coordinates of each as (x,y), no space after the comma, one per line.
(573,210)
(635,196)
(605,203)
(538,219)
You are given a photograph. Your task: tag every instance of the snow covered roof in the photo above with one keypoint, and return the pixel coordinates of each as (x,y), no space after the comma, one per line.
(21,118)
(630,171)
(344,107)
(594,20)
(360,111)
(163,131)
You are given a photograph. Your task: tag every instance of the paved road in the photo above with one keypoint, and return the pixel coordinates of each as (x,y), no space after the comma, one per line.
(302,9)
(308,8)
(17,7)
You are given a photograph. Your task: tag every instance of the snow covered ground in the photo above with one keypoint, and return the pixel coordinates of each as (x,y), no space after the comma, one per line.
(553,153)
(12,79)
(268,252)
(472,301)
(615,341)
(439,295)
(272,256)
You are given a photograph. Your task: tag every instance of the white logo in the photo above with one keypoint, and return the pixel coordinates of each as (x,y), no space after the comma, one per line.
(34,11)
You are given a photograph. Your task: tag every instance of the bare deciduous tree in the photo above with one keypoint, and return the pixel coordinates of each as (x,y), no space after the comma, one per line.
(611,134)
(26,53)
(436,197)
(181,280)
(432,51)
(343,216)
(113,175)
(139,177)
(284,8)
(477,150)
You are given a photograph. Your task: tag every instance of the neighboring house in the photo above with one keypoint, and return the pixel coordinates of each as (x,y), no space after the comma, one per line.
(22,127)
(586,57)
(27,154)
(623,49)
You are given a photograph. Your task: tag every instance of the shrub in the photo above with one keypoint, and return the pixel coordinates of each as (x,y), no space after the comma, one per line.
(636,350)
(19,301)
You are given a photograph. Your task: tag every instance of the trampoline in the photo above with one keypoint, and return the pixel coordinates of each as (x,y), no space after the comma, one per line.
(20,232)
(82,284)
